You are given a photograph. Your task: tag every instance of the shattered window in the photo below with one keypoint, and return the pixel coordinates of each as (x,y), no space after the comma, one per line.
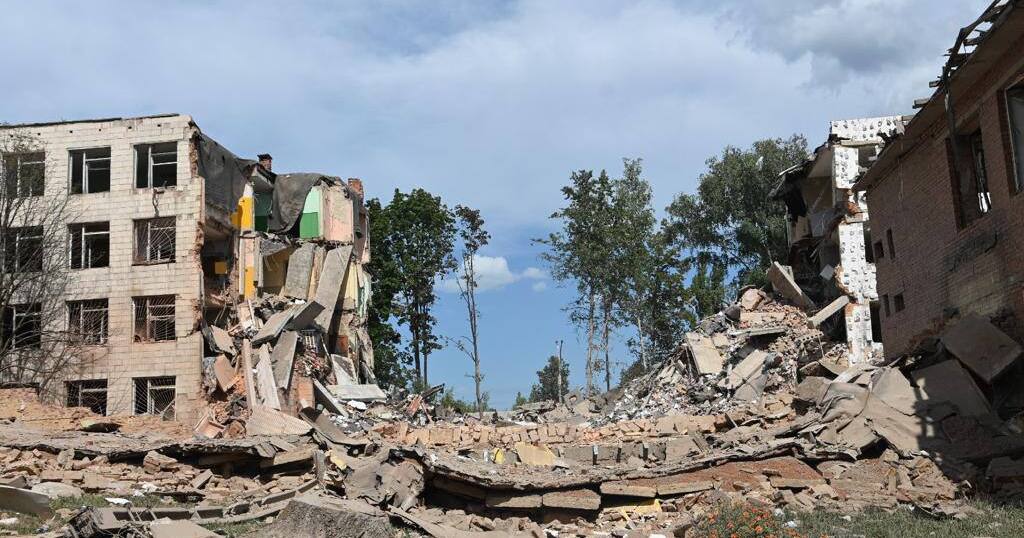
(90,170)
(1015,111)
(22,326)
(87,321)
(155,396)
(90,245)
(91,393)
(156,165)
(24,174)
(23,250)
(970,177)
(154,240)
(154,318)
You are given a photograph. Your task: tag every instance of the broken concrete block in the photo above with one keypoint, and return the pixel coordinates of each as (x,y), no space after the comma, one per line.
(273,326)
(706,357)
(629,488)
(25,502)
(359,393)
(835,306)
(460,488)
(534,455)
(752,365)
(283,357)
(983,348)
(948,381)
(751,298)
(677,486)
(305,315)
(576,499)
(783,283)
(222,341)
(762,318)
(315,515)
(779,482)
(179,529)
(300,272)
(266,421)
(224,372)
(512,500)
(155,461)
(332,280)
(265,383)
(57,490)
(811,389)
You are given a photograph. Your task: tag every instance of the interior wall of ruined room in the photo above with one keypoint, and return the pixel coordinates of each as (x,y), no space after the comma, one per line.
(942,269)
(122,360)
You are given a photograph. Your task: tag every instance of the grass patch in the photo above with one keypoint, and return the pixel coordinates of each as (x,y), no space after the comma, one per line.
(991,521)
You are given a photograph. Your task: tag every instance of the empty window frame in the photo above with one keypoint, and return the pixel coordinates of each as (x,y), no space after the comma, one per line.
(155,396)
(22,326)
(24,174)
(879,250)
(869,254)
(897,302)
(970,177)
(154,241)
(892,245)
(1015,118)
(87,321)
(23,250)
(885,305)
(90,245)
(156,165)
(90,170)
(90,393)
(154,318)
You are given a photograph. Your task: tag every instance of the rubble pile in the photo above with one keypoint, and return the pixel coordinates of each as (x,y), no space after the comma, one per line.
(756,406)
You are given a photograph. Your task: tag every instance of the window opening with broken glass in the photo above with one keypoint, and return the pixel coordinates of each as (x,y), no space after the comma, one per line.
(154,240)
(154,318)
(87,321)
(90,170)
(155,396)
(90,245)
(23,250)
(24,174)
(90,393)
(156,165)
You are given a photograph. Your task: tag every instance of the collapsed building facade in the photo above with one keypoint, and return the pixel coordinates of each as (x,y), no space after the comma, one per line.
(947,192)
(177,246)
(832,251)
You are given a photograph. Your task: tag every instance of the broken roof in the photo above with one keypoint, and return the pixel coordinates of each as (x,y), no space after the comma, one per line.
(977,45)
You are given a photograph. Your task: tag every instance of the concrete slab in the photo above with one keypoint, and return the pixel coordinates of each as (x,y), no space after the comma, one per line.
(827,312)
(283,357)
(265,383)
(706,357)
(783,283)
(273,326)
(300,272)
(948,381)
(332,280)
(360,393)
(576,499)
(981,347)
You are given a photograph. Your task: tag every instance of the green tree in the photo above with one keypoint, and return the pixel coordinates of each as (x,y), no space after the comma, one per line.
(473,235)
(548,378)
(413,249)
(520,400)
(390,360)
(579,251)
(729,227)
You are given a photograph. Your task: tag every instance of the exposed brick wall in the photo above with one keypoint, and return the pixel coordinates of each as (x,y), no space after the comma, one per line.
(940,268)
(122,360)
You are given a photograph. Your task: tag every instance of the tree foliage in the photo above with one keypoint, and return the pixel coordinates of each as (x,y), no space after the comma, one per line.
(729,227)
(412,249)
(547,386)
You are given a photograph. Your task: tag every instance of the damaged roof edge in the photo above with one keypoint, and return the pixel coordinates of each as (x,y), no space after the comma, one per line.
(92,120)
(924,117)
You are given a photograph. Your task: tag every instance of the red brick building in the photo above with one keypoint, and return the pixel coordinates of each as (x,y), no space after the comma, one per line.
(947,213)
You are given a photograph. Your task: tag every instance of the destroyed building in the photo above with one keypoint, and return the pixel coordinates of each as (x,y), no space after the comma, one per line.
(945,194)
(174,241)
(831,247)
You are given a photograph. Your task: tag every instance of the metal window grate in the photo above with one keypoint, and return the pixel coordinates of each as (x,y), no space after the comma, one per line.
(90,245)
(22,323)
(90,393)
(87,321)
(155,396)
(154,318)
(154,240)
(23,250)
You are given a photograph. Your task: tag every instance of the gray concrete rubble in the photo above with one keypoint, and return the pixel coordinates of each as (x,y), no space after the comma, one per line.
(757,405)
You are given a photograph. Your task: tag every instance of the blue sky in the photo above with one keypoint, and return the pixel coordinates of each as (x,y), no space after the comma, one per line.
(489,104)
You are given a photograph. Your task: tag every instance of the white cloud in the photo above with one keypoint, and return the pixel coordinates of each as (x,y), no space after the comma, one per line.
(539,286)
(492,273)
